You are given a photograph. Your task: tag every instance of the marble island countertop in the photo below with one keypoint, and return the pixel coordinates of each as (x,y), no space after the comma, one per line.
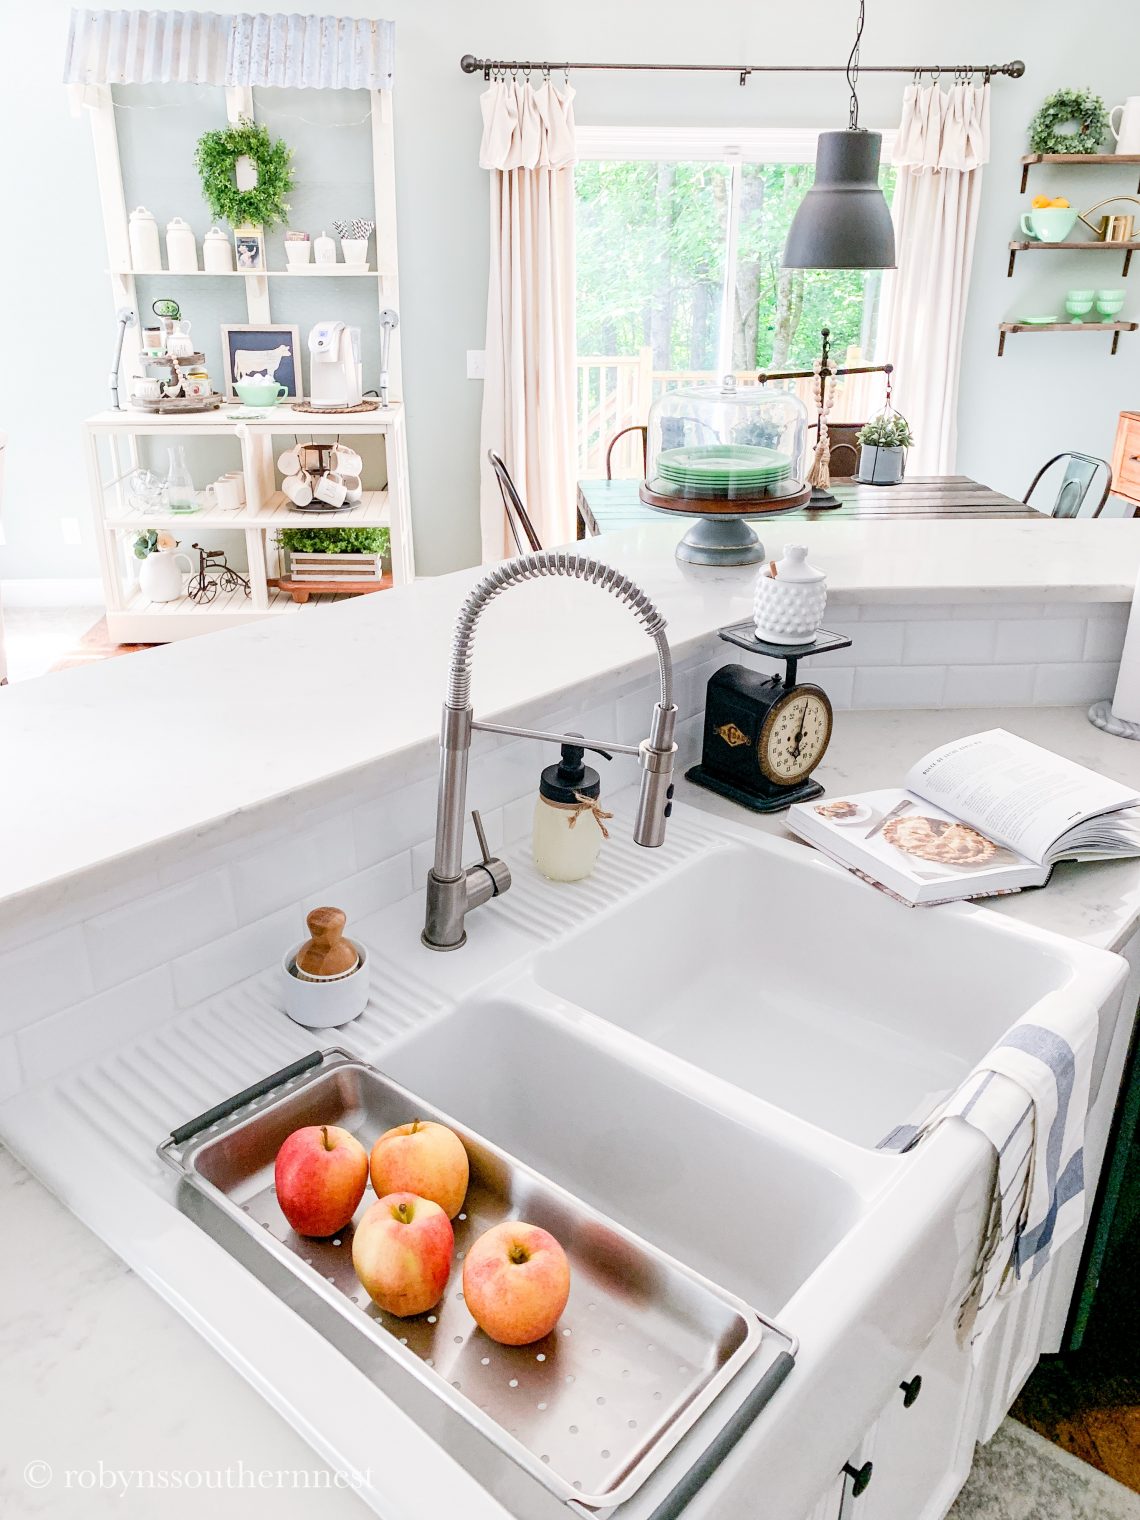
(85,1398)
(148,752)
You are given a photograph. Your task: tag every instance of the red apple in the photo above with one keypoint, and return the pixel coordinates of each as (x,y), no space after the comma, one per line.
(516,1281)
(320,1175)
(422,1158)
(401,1251)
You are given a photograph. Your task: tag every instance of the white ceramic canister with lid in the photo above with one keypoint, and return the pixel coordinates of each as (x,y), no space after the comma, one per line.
(142,234)
(789,605)
(181,249)
(217,254)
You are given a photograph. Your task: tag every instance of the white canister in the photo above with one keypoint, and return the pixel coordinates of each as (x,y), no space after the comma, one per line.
(160,575)
(142,234)
(324,249)
(217,255)
(789,605)
(181,249)
(326,1003)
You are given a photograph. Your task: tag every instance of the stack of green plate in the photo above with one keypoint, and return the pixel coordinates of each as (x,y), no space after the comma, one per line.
(723,469)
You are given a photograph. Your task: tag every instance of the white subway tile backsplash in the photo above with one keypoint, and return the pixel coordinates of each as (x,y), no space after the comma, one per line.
(87,1029)
(267,879)
(989,685)
(222,962)
(423,853)
(395,821)
(900,612)
(43,976)
(129,940)
(1062,685)
(1104,639)
(365,892)
(838,681)
(1035,641)
(871,643)
(899,686)
(946,641)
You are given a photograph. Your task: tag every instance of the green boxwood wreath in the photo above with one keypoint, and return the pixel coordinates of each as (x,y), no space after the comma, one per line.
(217,154)
(1061,109)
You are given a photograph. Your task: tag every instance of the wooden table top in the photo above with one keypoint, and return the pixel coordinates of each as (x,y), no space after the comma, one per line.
(607,505)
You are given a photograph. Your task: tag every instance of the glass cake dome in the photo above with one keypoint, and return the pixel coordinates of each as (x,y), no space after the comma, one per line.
(726,447)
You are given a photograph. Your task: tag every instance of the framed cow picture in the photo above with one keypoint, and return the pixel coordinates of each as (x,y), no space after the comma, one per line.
(263,351)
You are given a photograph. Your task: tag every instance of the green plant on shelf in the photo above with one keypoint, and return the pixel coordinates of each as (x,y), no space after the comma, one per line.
(335,540)
(216,157)
(886,433)
(1069,121)
(152,541)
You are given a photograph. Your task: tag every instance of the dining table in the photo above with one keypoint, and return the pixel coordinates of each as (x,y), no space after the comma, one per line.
(604,506)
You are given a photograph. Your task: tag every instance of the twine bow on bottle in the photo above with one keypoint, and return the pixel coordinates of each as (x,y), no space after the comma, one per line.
(584,804)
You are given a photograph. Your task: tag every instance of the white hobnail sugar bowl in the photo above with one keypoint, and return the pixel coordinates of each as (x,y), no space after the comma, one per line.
(788,606)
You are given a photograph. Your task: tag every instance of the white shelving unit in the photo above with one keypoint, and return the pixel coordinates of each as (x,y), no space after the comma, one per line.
(114,452)
(115,439)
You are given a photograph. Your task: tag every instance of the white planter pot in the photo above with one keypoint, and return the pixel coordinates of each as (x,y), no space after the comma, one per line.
(305,566)
(160,576)
(880,466)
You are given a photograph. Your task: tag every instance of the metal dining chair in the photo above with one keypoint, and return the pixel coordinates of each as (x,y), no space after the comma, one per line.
(634,427)
(1080,473)
(518,519)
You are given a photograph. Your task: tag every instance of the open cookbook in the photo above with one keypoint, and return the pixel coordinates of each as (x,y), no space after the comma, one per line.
(986,814)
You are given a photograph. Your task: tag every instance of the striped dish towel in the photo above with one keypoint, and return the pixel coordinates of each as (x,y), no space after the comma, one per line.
(1029,1096)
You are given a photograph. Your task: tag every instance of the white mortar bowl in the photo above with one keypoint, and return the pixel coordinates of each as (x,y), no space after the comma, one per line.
(326,1002)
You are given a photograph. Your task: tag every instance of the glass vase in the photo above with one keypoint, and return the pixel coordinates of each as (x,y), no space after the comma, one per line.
(180,495)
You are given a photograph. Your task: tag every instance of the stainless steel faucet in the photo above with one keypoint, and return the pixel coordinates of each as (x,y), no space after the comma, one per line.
(453,891)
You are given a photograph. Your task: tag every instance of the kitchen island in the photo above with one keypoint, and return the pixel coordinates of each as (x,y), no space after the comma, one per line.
(225,833)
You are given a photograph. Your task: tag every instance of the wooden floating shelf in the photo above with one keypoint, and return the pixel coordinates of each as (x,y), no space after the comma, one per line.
(1115,328)
(1074,159)
(1025,246)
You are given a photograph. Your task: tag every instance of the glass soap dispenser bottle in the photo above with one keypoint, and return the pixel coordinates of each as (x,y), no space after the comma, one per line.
(569,820)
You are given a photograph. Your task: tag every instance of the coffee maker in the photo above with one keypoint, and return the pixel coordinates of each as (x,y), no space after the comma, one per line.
(335,370)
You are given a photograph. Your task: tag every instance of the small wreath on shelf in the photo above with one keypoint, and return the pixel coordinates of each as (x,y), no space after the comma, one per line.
(217,154)
(1066,108)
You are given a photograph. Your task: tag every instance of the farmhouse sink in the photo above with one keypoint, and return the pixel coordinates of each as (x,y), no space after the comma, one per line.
(766,966)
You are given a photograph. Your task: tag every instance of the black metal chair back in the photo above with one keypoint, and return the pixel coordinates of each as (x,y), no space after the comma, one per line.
(1081,471)
(518,519)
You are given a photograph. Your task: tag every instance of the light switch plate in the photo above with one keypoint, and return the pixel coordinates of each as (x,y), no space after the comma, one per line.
(476,364)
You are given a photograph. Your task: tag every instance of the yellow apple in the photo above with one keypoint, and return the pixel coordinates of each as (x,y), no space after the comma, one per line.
(422,1158)
(401,1252)
(516,1281)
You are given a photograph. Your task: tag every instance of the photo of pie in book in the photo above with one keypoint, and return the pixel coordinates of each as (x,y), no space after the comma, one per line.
(940,841)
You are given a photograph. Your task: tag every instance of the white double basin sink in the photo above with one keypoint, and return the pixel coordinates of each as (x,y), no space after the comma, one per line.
(713,1061)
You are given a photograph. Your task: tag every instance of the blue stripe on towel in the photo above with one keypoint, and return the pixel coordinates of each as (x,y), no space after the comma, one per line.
(1034,1245)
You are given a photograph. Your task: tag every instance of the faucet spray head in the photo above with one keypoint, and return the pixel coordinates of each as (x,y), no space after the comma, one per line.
(655,802)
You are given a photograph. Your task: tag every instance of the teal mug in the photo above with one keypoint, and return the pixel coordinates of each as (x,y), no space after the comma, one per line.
(1051,224)
(260,392)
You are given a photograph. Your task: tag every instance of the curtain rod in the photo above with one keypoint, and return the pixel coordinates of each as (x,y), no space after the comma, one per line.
(488,66)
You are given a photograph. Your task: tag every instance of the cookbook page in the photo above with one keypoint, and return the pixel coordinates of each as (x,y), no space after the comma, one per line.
(1021,795)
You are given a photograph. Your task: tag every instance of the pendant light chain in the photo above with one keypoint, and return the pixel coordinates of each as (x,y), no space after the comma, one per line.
(853,72)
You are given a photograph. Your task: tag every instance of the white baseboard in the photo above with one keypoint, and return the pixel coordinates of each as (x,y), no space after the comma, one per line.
(44,591)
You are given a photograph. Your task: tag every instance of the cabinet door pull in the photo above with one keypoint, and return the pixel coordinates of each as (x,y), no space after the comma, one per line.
(911,1390)
(860,1477)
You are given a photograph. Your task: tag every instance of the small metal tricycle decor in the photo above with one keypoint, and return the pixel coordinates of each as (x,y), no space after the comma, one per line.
(213,575)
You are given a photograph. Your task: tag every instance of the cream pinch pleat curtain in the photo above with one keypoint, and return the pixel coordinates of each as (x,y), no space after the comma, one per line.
(529,389)
(943,141)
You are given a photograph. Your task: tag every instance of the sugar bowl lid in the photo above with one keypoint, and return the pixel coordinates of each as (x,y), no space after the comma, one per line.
(794,566)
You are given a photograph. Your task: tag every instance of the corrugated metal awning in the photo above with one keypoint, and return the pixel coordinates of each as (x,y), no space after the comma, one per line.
(199,47)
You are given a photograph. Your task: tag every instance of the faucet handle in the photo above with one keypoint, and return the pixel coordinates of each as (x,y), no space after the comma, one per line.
(480,834)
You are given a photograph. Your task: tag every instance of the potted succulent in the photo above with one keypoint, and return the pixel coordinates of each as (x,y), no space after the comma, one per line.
(160,578)
(883,443)
(323,554)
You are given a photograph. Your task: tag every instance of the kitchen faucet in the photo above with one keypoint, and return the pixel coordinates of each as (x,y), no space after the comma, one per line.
(453,891)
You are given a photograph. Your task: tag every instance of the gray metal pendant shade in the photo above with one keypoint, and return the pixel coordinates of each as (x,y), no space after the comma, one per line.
(843,221)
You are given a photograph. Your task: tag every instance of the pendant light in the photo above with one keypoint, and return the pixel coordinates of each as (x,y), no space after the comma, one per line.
(843,221)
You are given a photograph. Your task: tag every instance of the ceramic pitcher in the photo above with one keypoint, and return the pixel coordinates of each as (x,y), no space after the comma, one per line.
(1127,134)
(160,576)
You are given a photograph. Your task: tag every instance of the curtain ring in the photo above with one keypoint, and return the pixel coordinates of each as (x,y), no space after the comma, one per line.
(936,74)
(917,80)
(546,72)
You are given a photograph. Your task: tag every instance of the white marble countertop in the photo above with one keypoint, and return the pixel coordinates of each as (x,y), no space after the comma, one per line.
(96,1385)
(104,761)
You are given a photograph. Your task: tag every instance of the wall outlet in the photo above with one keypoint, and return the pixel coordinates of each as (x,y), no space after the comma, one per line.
(476,364)
(69,528)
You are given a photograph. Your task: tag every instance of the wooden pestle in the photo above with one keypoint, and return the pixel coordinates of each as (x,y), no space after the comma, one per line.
(327,953)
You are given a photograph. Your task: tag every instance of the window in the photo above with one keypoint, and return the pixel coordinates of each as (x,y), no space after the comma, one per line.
(679,239)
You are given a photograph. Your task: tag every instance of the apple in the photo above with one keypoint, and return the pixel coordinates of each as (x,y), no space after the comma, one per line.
(422,1158)
(320,1175)
(516,1281)
(401,1250)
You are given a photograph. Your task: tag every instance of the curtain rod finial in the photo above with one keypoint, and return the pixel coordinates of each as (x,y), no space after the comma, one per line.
(1016,69)
(469,63)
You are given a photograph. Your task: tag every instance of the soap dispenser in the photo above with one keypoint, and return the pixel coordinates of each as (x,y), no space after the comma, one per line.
(569,821)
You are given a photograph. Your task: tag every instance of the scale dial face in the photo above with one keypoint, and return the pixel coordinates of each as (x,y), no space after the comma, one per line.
(795,735)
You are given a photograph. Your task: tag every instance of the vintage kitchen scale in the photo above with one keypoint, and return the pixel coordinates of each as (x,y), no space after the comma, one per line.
(765,735)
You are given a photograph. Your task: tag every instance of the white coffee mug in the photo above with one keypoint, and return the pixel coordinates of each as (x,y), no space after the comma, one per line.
(289,463)
(180,345)
(298,488)
(196,385)
(224,494)
(146,387)
(330,488)
(238,478)
(354,490)
(346,461)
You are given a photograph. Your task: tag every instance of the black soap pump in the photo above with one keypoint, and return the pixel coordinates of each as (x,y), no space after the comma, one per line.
(569,820)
